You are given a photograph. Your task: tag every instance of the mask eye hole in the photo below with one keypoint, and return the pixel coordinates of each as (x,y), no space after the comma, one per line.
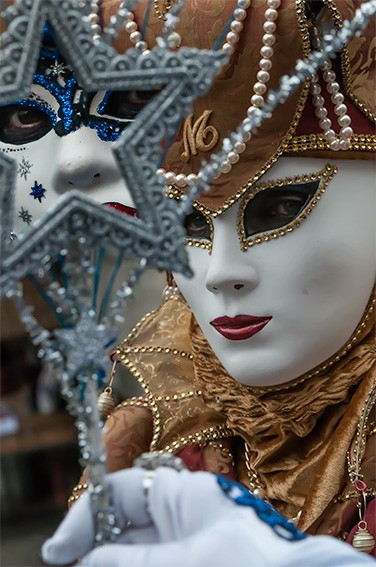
(21,124)
(125,105)
(276,207)
(197,226)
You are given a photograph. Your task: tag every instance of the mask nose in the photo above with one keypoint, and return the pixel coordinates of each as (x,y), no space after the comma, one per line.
(84,162)
(230,270)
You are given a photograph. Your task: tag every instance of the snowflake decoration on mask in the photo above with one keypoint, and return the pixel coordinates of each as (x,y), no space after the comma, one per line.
(25,215)
(57,70)
(24,168)
(38,191)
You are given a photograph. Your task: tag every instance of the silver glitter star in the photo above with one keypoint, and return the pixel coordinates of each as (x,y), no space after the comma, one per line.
(24,168)
(57,69)
(87,344)
(25,215)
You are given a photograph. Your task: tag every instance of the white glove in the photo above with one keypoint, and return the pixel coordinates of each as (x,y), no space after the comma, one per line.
(188,521)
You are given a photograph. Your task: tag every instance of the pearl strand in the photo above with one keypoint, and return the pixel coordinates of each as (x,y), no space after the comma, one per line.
(94,20)
(259,88)
(339,141)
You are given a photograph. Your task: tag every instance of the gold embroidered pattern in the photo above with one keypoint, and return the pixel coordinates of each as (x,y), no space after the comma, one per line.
(325,176)
(225,450)
(358,142)
(198,135)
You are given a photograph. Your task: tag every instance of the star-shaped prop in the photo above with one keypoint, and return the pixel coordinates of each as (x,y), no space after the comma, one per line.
(86,344)
(182,76)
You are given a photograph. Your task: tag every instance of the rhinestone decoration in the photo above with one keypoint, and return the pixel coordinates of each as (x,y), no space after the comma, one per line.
(24,168)
(25,215)
(38,191)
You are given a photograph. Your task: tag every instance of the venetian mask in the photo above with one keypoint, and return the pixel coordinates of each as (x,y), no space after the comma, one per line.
(282,278)
(60,137)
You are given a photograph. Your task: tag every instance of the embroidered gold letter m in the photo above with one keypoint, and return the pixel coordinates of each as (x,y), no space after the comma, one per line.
(195,136)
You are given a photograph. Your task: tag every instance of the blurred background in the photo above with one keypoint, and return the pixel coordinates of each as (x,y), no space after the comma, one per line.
(38,439)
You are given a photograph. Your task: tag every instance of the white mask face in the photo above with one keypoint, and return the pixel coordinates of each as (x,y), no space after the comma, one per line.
(61,140)
(59,137)
(277,309)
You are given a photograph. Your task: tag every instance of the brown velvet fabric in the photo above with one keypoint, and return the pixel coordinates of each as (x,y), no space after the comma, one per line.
(298,434)
(200,25)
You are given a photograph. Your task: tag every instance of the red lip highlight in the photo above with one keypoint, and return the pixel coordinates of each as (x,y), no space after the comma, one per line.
(240,327)
(130,211)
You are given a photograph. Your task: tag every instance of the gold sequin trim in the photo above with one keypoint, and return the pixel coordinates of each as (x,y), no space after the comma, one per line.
(133,403)
(75,496)
(225,450)
(354,458)
(165,350)
(358,142)
(151,403)
(176,194)
(178,397)
(325,176)
(200,437)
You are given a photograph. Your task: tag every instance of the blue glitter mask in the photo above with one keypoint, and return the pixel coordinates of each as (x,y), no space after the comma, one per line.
(73,108)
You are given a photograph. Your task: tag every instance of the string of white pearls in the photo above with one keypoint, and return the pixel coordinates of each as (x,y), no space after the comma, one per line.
(94,20)
(339,141)
(259,88)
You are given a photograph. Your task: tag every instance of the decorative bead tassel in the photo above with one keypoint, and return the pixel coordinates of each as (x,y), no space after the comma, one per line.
(105,402)
(363,540)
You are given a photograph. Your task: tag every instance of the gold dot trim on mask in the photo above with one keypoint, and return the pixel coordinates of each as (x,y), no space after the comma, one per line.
(325,176)
(177,194)
(358,142)
(369,311)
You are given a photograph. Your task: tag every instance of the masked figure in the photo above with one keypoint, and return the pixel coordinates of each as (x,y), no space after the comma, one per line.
(60,138)
(261,367)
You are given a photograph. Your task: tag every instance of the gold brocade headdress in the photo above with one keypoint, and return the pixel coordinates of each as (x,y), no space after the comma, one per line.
(333,112)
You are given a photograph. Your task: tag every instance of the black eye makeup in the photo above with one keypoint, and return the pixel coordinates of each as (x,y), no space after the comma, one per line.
(199,229)
(125,105)
(21,123)
(274,208)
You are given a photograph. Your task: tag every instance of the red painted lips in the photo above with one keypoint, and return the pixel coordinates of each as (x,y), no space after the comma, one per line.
(130,211)
(240,327)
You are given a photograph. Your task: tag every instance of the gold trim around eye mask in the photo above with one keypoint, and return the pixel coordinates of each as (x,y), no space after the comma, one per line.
(325,176)
(177,194)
